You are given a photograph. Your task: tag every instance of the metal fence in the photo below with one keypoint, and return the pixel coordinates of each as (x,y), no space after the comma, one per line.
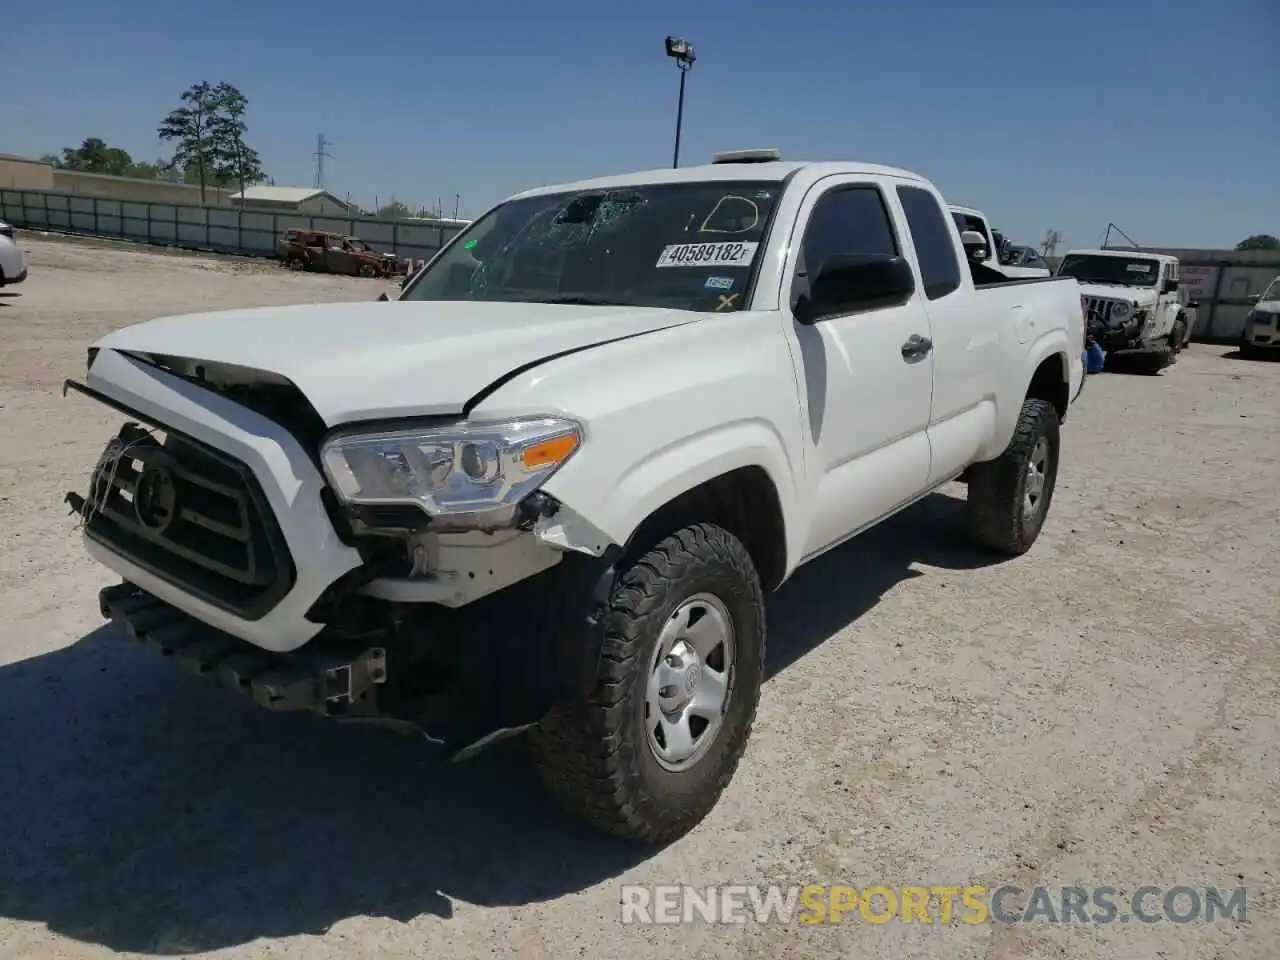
(235,230)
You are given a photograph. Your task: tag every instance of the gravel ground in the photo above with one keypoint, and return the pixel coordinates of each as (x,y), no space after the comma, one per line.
(1102,711)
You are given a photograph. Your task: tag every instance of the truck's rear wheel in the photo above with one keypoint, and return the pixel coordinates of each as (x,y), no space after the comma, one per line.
(648,754)
(1009,497)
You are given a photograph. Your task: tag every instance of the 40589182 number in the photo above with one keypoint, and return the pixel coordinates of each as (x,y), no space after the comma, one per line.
(723,254)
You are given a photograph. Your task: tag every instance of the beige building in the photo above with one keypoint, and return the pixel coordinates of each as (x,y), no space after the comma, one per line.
(134,190)
(306,201)
(23,173)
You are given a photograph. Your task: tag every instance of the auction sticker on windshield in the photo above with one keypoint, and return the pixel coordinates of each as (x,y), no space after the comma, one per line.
(723,254)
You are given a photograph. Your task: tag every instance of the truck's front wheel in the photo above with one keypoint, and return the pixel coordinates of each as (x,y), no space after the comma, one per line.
(1009,497)
(648,754)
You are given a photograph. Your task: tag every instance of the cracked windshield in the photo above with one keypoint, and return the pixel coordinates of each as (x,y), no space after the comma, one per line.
(682,246)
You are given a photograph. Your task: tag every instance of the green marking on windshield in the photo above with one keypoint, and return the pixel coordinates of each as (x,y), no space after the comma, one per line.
(469,244)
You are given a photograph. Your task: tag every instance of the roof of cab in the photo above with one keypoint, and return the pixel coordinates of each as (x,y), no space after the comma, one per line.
(771,172)
(1162,257)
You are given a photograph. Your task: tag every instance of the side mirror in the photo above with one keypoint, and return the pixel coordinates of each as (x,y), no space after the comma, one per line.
(975,244)
(1170,286)
(1254,297)
(849,282)
(1193,304)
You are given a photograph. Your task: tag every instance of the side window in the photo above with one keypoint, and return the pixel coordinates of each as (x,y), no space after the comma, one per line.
(935,249)
(844,220)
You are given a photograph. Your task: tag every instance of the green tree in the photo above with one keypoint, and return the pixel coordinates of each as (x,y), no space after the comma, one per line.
(93,156)
(236,161)
(190,129)
(394,210)
(1259,241)
(208,136)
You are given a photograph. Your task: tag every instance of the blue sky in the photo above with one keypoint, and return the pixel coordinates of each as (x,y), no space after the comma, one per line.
(1163,117)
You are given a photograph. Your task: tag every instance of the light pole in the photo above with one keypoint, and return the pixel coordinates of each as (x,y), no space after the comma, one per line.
(681,51)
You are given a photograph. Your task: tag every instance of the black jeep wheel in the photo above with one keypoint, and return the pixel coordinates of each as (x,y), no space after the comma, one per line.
(1247,349)
(368,270)
(1009,497)
(296,263)
(647,755)
(1154,360)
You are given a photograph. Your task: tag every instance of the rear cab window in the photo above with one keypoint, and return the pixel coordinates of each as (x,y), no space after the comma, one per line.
(935,248)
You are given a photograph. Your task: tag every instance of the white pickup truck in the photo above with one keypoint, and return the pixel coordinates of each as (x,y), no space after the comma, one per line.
(1136,308)
(548,487)
(969,219)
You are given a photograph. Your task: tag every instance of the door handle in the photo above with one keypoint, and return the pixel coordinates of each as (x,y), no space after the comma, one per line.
(916,348)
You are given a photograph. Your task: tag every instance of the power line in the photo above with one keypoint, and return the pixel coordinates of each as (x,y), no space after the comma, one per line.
(320,154)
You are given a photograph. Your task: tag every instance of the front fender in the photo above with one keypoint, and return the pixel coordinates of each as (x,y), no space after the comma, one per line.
(668,411)
(617,496)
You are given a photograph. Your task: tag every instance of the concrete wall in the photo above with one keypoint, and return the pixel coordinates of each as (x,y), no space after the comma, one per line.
(21,173)
(224,229)
(81,184)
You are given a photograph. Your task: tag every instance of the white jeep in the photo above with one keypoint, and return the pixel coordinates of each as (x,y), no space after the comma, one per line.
(1137,310)
(549,486)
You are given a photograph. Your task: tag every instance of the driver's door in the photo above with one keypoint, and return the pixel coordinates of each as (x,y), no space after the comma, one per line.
(866,388)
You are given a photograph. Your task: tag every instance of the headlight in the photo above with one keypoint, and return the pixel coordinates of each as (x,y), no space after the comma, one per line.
(1121,311)
(461,468)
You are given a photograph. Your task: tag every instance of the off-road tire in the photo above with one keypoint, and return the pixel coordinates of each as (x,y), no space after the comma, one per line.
(594,756)
(1247,350)
(1177,335)
(1154,360)
(295,263)
(997,487)
(368,270)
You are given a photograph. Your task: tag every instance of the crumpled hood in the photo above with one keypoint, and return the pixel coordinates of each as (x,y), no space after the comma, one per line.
(382,359)
(1117,291)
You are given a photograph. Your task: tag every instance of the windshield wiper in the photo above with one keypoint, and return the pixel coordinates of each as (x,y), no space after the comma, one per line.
(585,301)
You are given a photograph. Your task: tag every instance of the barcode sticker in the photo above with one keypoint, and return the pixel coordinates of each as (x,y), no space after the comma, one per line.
(708,254)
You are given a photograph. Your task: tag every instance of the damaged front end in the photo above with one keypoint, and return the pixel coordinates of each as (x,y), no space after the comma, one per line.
(471,602)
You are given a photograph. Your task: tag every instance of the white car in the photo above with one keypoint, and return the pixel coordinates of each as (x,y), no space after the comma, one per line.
(550,485)
(13,262)
(1261,333)
(1138,311)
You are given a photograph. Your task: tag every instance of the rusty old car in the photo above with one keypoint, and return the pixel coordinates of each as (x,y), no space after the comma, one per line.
(328,252)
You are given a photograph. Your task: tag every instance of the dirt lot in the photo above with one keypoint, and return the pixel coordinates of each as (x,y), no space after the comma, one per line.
(1103,711)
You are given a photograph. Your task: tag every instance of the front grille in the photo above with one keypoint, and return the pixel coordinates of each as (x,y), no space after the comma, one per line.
(1100,308)
(191,515)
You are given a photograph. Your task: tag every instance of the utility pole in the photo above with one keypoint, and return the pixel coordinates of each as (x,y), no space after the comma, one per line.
(320,154)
